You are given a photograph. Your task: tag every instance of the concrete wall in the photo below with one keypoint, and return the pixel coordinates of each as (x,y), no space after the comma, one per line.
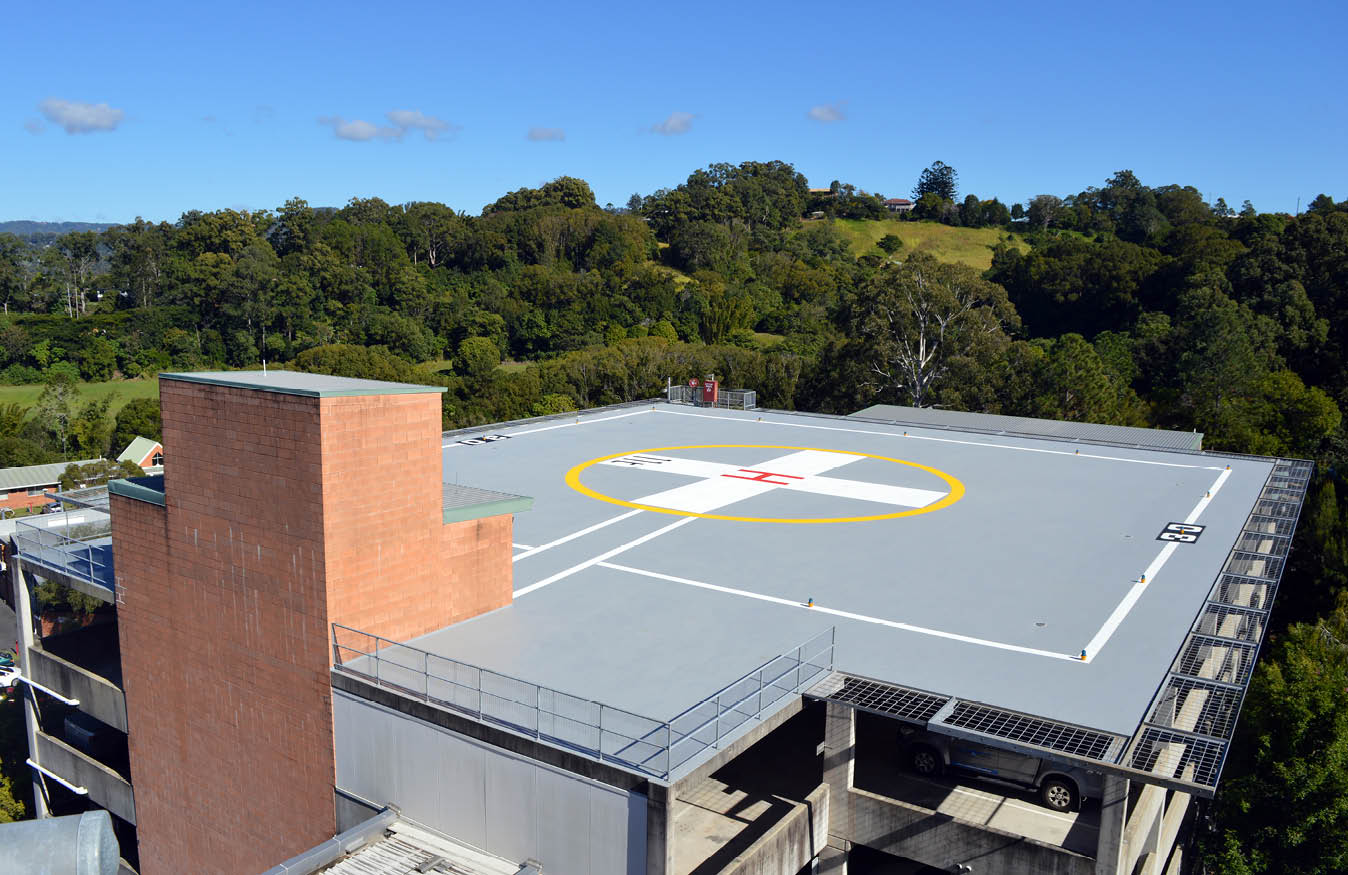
(789,846)
(98,696)
(491,798)
(106,787)
(942,841)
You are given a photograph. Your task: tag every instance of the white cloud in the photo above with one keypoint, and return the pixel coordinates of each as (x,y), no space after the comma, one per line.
(412,119)
(34,126)
(359,130)
(403,120)
(677,123)
(829,112)
(545,135)
(81,118)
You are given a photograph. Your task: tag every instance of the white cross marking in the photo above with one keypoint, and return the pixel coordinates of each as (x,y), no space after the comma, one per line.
(723,484)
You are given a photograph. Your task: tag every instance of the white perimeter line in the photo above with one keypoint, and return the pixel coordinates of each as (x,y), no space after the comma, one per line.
(579,421)
(602,556)
(532,551)
(893,624)
(521,546)
(1102,637)
(942,440)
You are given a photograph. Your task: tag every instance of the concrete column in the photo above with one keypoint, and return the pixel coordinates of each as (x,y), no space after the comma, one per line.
(23,607)
(830,861)
(840,744)
(1113,818)
(659,830)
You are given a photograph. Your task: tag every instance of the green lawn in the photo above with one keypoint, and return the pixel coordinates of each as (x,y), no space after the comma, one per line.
(971,246)
(121,392)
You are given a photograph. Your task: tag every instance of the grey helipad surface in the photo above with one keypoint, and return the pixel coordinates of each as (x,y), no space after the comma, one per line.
(1012,557)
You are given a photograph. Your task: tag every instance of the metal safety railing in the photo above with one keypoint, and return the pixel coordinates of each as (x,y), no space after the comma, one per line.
(731,399)
(76,543)
(612,735)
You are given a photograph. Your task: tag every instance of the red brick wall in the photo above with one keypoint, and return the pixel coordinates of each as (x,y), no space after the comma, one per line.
(477,573)
(225,638)
(21,498)
(283,513)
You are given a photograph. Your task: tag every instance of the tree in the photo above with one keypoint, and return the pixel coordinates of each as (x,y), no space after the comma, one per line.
(139,417)
(478,357)
(54,408)
(97,473)
(1043,208)
(890,243)
(939,179)
(1283,808)
(915,319)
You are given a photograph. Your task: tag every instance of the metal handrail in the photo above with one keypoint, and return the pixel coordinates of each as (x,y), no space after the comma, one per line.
(38,542)
(643,744)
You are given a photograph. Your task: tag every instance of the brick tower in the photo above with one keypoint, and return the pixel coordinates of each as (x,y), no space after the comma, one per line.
(289,502)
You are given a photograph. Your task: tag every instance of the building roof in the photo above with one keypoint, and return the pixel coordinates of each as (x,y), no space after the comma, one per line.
(138,449)
(37,475)
(898,200)
(1023,425)
(462,503)
(673,550)
(406,849)
(300,383)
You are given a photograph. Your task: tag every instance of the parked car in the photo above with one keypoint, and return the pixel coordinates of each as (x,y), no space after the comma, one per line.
(1061,788)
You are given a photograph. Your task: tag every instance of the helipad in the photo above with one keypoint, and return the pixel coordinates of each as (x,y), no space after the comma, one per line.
(671,549)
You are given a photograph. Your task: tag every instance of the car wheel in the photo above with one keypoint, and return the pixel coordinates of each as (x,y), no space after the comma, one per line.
(925,760)
(1059,794)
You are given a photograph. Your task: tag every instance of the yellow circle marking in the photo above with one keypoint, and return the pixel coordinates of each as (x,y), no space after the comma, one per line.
(955,494)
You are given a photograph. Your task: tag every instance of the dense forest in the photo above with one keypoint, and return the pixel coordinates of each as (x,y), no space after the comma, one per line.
(1122,303)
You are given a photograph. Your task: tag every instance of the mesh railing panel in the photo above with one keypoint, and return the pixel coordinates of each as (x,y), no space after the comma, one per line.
(1034,731)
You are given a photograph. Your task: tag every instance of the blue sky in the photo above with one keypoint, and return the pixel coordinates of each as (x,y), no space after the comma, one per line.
(205,106)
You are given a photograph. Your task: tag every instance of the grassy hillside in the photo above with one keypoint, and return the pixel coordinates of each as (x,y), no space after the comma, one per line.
(971,246)
(121,390)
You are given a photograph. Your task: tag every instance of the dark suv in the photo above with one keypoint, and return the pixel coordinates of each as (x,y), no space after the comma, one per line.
(1061,788)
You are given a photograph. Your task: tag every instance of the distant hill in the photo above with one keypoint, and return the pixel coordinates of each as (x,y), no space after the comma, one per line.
(29,230)
(971,246)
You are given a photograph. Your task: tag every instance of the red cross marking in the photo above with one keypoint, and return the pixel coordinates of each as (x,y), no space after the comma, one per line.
(763,476)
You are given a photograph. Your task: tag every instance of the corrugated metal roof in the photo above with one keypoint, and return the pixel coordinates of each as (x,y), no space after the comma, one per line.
(138,449)
(409,850)
(930,417)
(36,475)
(469,503)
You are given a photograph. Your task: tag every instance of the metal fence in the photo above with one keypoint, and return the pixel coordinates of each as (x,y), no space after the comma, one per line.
(612,735)
(78,543)
(731,399)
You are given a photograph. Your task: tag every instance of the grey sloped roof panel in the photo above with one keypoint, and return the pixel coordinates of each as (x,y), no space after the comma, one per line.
(462,503)
(930,417)
(36,475)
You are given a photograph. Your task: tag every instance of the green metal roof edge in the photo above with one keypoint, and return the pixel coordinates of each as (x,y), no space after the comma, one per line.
(468,512)
(127,489)
(394,388)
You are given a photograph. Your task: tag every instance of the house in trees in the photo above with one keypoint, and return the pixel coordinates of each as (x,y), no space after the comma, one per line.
(147,453)
(899,205)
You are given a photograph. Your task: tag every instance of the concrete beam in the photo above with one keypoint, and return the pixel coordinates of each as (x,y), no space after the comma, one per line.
(840,751)
(791,844)
(98,696)
(1143,828)
(1110,850)
(739,745)
(106,787)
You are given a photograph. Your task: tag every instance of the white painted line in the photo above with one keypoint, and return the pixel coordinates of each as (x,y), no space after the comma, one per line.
(878,492)
(521,546)
(603,556)
(580,420)
(1121,611)
(893,624)
(534,551)
(730,484)
(941,440)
